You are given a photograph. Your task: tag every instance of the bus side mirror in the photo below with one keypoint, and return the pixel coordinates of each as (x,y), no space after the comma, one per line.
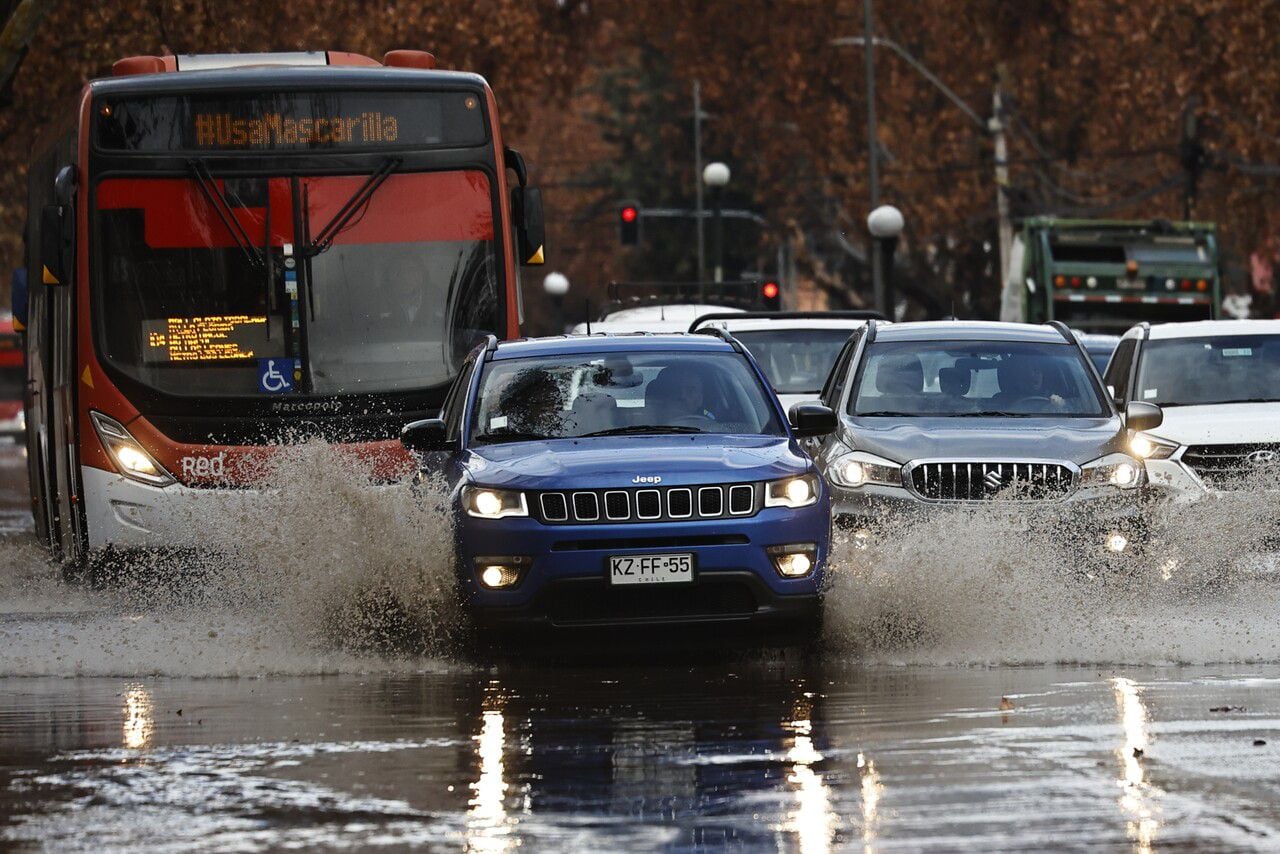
(56,232)
(1139,416)
(526,210)
(425,436)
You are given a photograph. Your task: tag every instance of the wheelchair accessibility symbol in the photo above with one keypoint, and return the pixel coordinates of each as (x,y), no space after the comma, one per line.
(275,376)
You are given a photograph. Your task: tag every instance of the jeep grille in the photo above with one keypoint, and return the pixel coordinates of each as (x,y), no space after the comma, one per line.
(654,504)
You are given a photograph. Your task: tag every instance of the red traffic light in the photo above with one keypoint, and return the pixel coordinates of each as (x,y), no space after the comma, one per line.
(629,214)
(770,290)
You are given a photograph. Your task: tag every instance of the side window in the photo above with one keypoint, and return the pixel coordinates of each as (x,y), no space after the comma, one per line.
(453,402)
(1118,368)
(831,388)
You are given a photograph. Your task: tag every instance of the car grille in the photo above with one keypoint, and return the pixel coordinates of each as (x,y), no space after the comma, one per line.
(665,504)
(1227,465)
(985,481)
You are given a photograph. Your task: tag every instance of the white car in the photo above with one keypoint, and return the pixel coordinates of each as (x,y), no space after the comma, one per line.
(795,349)
(1218,382)
(651,318)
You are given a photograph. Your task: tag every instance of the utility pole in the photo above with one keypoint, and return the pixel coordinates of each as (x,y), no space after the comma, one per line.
(697,184)
(873,154)
(996,126)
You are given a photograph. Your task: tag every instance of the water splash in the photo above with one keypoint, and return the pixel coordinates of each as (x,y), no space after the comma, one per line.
(322,569)
(973,587)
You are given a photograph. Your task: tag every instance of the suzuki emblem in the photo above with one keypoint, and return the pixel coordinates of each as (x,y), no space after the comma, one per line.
(994,480)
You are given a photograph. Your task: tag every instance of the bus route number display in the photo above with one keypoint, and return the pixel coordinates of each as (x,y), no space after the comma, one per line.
(219,338)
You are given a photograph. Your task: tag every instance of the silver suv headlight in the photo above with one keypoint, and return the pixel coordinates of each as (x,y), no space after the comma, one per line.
(1119,470)
(484,502)
(858,468)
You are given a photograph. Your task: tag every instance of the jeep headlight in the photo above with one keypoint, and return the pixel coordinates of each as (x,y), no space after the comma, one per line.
(1119,470)
(857,469)
(1146,447)
(484,502)
(792,492)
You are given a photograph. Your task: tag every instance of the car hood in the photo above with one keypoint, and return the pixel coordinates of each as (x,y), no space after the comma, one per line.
(1078,440)
(616,462)
(1220,424)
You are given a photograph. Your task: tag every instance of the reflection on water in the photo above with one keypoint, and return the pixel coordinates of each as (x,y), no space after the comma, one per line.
(139,719)
(489,828)
(871,790)
(1139,800)
(812,820)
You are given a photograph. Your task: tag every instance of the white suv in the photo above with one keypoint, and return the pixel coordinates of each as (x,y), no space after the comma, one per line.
(1218,382)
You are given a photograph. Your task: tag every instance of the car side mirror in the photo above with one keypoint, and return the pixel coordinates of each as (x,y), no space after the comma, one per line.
(425,436)
(811,419)
(1140,416)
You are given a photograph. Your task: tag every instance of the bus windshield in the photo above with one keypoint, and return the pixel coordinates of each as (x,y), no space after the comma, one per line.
(204,280)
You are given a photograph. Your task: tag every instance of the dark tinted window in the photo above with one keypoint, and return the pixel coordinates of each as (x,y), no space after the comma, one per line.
(1117,375)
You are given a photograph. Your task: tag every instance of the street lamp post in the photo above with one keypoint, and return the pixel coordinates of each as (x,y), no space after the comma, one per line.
(556,286)
(994,127)
(885,224)
(716,177)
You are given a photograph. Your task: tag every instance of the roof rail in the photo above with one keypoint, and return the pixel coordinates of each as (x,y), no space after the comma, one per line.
(849,314)
(1064,331)
(871,330)
(490,343)
(722,334)
(1145,326)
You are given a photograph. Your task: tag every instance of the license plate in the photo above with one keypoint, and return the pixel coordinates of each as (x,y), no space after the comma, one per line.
(650,569)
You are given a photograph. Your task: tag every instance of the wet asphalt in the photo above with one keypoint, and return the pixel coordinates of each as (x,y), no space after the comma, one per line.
(764,752)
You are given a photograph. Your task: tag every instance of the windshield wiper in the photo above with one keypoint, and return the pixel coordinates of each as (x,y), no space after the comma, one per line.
(324,239)
(644,428)
(218,201)
(1248,400)
(512,436)
(886,412)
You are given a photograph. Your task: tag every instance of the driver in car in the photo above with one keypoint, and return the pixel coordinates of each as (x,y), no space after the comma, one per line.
(680,394)
(1023,381)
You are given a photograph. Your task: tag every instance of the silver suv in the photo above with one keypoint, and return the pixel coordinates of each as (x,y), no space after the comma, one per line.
(960,413)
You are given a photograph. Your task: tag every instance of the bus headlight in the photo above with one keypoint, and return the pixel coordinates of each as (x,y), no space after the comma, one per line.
(129,457)
(1118,470)
(486,503)
(792,492)
(1145,447)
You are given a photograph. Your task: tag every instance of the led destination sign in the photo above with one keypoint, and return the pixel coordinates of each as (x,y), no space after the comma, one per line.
(221,338)
(290,121)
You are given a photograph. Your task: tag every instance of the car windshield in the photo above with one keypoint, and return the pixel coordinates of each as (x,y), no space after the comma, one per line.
(1199,371)
(796,361)
(976,378)
(621,393)
(195,299)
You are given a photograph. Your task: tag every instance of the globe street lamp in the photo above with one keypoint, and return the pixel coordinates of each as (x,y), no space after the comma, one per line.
(556,285)
(716,177)
(885,224)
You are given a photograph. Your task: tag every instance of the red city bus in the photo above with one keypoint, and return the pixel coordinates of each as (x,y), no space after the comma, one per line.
(12,422)
(239,251)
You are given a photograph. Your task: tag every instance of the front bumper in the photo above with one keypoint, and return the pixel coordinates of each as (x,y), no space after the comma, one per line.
(567,583)
(1091,515)
(1173,478)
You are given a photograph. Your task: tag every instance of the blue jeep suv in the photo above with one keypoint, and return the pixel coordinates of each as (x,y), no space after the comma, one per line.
(614,480)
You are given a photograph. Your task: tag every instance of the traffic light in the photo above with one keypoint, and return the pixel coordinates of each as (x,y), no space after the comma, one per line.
(629,223)
(771,295)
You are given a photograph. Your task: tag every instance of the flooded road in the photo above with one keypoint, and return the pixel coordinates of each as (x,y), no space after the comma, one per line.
(230,723)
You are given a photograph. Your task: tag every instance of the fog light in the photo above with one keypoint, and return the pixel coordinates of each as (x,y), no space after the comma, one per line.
(794,561)
(862,539)
(1116,542)
(501,572)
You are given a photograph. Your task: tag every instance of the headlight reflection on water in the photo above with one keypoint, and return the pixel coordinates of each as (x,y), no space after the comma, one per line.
(813,821)
(489,828)
(139,718)
(1139,800)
